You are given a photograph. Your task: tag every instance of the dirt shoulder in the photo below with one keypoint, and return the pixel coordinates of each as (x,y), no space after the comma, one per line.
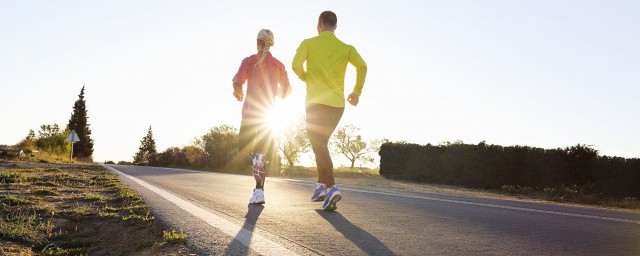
(82,209)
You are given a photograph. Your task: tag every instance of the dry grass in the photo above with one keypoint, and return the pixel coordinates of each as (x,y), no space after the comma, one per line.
(340,172)
(54,209)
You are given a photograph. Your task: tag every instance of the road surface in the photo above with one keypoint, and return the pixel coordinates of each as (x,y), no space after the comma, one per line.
(213,210)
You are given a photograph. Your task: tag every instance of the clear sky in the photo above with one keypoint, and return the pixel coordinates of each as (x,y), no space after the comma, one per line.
(539,73)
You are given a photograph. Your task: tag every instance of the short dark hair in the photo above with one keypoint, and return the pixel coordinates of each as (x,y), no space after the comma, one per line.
(328,18)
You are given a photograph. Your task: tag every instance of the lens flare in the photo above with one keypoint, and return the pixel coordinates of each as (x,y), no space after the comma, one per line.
(279,118)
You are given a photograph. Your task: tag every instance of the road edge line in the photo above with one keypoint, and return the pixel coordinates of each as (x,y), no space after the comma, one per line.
(251,240)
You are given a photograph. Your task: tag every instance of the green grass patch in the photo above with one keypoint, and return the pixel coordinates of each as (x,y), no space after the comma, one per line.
(10,200)
(10,177)
(26,226)
(129,196)
(45,192)
(340,172)
(57,251)
(103,214)
(629,202)
(94,197)
(70,209)
(81,212)
(173,237)
(139,218)
(52,184)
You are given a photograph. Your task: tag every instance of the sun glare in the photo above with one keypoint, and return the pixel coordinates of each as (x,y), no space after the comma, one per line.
(280,117)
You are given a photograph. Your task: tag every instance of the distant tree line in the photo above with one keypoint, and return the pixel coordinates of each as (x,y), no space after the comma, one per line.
(214,150)
(218,148)
(494,166)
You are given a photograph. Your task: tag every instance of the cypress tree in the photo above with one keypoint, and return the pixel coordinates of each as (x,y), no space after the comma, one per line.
(78,122)
(146,150)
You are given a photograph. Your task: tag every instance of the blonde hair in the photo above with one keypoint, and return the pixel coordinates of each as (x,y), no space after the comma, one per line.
(265,39)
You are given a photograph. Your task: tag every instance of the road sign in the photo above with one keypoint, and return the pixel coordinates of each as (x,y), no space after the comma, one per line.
(73,137)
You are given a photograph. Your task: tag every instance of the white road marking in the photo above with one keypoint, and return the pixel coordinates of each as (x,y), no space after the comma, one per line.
(256,242)
(524,209)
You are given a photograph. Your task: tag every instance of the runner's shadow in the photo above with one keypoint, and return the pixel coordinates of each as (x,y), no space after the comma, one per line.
(368,243)
(239,245)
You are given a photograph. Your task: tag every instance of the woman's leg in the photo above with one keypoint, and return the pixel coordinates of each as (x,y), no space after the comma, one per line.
(246,137)
(264,151)
(248,144)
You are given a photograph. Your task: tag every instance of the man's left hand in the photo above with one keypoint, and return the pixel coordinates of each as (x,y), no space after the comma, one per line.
(353,99)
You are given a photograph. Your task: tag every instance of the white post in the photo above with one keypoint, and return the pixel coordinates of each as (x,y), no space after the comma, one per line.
(71,156)
(73,137)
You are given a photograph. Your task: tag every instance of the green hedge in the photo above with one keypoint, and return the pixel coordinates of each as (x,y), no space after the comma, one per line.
(494,166)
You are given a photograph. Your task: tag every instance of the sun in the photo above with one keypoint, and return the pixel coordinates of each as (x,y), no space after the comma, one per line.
(280,117)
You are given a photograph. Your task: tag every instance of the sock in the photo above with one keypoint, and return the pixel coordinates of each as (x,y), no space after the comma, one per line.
(259,174)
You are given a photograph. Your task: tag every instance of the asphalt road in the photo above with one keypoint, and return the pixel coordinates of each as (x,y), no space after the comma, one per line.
(213,210)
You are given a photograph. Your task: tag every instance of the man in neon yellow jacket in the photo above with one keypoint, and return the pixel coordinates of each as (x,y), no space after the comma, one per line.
(326,58)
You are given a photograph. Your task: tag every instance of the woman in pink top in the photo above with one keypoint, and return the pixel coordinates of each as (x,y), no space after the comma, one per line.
(264,73)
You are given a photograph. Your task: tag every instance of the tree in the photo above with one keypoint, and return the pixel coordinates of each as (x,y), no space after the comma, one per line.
(29,142)
(350,144)
(47,130)
(195,156)
(220,145)
(78,123)
(31,136)
(294,142)
(146,150)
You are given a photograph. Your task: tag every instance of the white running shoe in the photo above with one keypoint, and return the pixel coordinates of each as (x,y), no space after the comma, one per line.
(258,197)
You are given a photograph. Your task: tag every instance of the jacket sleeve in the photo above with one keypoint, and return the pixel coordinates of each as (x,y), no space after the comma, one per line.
(299,59)
(241,76)
(361,70)
(283,80)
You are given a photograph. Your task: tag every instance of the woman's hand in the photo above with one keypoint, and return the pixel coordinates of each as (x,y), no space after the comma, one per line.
(239,94)
(282,93)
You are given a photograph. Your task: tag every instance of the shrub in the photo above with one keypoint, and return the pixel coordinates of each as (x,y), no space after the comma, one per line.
(562,170)
(220,145)
(26,144)
(172,156)
(195,156)
(51,139)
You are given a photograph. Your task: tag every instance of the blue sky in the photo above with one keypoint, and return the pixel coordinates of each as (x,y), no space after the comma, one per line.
(539,73)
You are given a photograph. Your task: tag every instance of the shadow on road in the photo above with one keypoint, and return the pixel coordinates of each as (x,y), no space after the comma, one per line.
(236,247)
(368,243)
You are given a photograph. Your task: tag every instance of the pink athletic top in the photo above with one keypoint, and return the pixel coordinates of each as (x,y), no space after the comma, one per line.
(262,85)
